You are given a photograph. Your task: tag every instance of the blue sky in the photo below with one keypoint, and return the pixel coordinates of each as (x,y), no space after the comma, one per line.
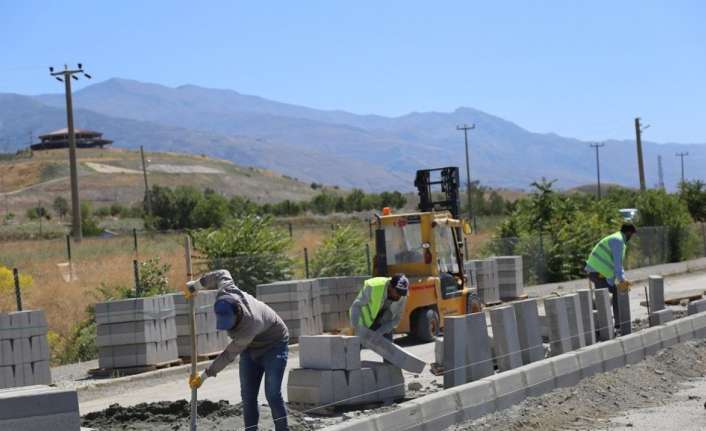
(578,68)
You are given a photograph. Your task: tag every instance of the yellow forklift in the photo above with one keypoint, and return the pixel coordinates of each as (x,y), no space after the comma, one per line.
(427,246)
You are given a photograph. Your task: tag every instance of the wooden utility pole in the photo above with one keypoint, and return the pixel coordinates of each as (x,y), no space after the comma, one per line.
(148,198)
(640,165)
(598,168)
(66,75)
(681,156)
(465,129)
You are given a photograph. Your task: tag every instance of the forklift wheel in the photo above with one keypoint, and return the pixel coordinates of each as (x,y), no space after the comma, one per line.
(426,325)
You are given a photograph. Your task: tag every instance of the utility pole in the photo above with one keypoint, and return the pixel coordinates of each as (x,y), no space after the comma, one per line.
(640,165)
(66,75)
(660,173)
(465,129)
(148,198)
(681,156)
(598,168)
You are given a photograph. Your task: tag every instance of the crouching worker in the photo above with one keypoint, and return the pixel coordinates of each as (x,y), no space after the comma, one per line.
(261,339)
(379,304)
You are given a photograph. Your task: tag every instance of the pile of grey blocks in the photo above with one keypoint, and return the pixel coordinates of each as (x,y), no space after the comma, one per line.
(209,340)
(39,408)
(337,295)
(570,321)
(483,276)
(24,350)
(297,302)
(332,375)
(467,354)
(510,277)
(136,332)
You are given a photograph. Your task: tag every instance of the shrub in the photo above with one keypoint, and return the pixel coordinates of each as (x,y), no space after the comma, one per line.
(341,254)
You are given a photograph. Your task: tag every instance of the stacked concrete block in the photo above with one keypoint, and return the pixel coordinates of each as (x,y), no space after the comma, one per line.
(297,302)
(209,340)
(699,324)
(329,352)
(661,317)
(505,337)
(655,293)
(39,408)
(136,332)
(24,350)
(529,330)
(697,306)
(479,358)
(624,319)
(455,347)
(510,277)
(559,335)
(390,351)
(483,275)
(589,325)
(566,370)
(605,325)
(575,316)
(337,295)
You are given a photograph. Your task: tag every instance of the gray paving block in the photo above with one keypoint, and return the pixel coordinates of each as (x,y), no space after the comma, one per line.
(528,330)
(510,388)
(21,351)
(39,348)
(613,354)
(439,350)
(589,326)
(575,318)
(605,324)
(655,293)
(651,340)
(390,351)
(566,369)
(559,335)
(505,335)
(41,373)
(39,408)
(685,330)
(455,340)
(128,310)
(698,306)
(539,378)
(19,322)
(116,334)
(624,319)
(479,358)
(388,380)
(55,422)
(438,411)
(7,377)
(329,352)
(23,374)
(6,354)
(476,399)
(361,386)
(483,275)
(135,355)
(6,330)
(668,333)
(590,360)
(633,348)
(699,324)
(661,317)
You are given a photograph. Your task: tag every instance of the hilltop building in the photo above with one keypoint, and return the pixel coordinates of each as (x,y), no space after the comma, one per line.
(60,139)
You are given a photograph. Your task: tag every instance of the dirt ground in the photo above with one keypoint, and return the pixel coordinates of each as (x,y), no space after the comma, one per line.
(594,401)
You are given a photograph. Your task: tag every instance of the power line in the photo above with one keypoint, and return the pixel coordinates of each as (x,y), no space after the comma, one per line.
(66,76)
(598,168)
(681,156)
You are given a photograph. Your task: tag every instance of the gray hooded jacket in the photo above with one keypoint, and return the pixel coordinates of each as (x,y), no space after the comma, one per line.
(258,326)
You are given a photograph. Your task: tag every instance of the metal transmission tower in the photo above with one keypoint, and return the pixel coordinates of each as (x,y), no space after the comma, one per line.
(598,168)
(660,173)
(640,165)
(681,156)
(66,76)
(465,129)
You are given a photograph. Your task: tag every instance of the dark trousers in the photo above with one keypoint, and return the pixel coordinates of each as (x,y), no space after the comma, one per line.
(600,282)
(272,365)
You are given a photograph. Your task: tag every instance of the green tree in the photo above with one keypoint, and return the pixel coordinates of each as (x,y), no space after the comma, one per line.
(61,207)
(211,211)
(89,226)
(341,254)
(693,194)
(250,248)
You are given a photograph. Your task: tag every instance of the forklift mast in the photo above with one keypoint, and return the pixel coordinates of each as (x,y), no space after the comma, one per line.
(449,182)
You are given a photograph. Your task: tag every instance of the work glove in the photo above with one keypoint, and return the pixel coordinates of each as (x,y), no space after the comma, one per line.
(192,288)
(196,380)
(624,286)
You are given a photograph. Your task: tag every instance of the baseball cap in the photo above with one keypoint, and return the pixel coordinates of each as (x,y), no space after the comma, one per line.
(400,283)
(225,314)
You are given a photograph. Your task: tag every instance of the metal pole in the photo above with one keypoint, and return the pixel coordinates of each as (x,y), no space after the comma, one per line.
(18,295)
(68,248)
(465,129)
(682,155)
(148,198)
(75,203)
(306,263)
(370,228)
(640,164)
(291,234)
(192,333)
(598,168)
(136,273)
(367,257)
(134,240)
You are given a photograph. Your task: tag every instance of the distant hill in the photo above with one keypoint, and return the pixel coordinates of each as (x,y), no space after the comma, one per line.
(332,147)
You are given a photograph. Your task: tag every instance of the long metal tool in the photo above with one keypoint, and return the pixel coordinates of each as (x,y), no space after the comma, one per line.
(192,330)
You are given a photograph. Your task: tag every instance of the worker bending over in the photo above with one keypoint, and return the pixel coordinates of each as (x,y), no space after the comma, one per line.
(261,339)
(605,264)
(380,303)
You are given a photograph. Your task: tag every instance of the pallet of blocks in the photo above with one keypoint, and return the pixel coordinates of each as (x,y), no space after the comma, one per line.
(337,295)
(483,275)
(24,350)
(332,375)
(297,302)
(136,335)
(510,277)
(39,408)
(209,340)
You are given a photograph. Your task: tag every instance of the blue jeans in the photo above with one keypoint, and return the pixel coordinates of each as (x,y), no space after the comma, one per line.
(272,364)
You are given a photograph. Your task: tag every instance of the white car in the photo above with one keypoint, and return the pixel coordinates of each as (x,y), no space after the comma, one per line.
(628,214)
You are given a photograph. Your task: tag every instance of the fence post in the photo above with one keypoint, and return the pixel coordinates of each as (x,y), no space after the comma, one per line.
(306,263)
(136,271)
(370,228)
(367,257)
(291,235)
(18,295)
(134,239)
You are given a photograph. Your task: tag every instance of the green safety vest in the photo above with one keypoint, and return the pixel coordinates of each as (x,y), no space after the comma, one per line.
(601,258)
(369,312)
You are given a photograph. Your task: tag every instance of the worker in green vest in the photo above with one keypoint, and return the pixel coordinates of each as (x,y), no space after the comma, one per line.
(605,264)
(380,303)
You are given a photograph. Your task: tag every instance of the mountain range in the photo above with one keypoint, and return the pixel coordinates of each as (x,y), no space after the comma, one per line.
(332,147)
